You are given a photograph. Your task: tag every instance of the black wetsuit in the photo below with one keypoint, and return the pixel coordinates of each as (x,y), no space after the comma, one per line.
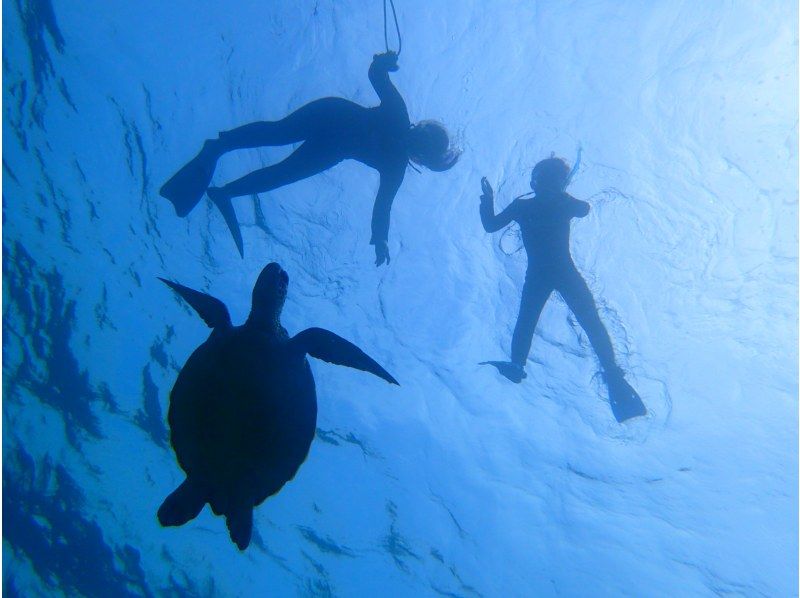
(545,225)
(332,130)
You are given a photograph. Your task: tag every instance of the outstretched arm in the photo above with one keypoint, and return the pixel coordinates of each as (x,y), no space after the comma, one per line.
(494,222)
(577,208)
(391,179)
(382,65)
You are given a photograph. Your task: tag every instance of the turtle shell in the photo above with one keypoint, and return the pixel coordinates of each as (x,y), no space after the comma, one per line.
(242,415)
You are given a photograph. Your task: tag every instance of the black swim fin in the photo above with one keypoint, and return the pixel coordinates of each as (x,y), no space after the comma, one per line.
(225,207)
(324,344)
(625,401)
(213,311)
(509,369)
(187,186)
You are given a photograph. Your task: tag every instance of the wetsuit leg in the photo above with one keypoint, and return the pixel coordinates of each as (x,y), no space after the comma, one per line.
(326,119)
(576,293)
(305,122)
(309,159)
(535,291)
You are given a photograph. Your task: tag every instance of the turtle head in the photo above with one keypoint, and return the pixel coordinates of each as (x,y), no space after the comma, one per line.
(269,294)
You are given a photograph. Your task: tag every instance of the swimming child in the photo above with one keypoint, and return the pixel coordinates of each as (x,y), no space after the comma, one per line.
(331,130)
(544,221)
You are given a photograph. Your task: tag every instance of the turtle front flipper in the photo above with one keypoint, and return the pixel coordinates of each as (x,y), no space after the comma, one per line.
(212,310)
(324,344)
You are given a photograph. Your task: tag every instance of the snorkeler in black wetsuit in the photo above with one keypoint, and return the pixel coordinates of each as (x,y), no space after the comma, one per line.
(545,224)
(332,130)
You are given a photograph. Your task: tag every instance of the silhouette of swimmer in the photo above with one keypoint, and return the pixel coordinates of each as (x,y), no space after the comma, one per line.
(243,411)
(332,130)
(545,224)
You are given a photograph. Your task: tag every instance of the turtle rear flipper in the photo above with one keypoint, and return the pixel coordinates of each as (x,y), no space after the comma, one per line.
(184,504)
(324,344)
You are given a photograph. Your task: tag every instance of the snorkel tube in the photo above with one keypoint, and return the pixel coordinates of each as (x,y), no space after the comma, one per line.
(574,169)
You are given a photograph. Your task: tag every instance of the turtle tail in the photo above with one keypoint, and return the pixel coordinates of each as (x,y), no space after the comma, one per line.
(240,525)
(184,504)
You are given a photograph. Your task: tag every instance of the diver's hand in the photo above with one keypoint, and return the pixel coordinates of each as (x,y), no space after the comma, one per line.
(488,193)
(387,60)
(382,253)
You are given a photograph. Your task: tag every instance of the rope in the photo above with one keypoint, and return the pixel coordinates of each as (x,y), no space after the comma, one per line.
(574,167)
(396,26)
(516,233)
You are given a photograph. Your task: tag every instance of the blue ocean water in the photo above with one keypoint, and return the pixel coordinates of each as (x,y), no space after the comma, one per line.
(458,483)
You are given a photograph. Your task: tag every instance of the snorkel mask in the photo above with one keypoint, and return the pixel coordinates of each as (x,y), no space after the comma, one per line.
(552,173)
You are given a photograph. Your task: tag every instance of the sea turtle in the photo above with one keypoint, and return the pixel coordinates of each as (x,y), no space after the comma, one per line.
(243,410)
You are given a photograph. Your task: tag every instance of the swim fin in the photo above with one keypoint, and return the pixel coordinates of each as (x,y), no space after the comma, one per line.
(512,371)
(225,207)
(625,401)
(186,187)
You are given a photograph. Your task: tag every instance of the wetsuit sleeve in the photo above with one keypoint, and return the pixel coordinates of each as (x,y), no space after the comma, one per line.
(391,179)
(387,92)
(494,222)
